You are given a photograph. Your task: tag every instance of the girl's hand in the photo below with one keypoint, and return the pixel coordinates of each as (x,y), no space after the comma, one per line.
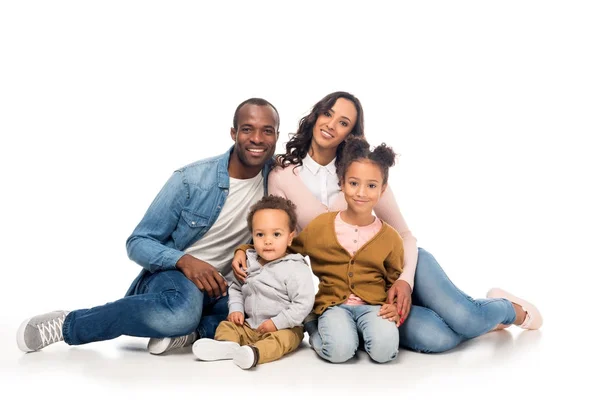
(390,312)
(236,317)
(239,265)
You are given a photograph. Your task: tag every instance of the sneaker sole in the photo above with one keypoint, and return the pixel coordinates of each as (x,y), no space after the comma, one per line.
(21,337)
(531,309)
(213,350)
(244,357)
(159,346)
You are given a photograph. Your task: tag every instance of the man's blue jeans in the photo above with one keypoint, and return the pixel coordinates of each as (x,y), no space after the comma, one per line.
(165,304)
(442,316)
(341,327)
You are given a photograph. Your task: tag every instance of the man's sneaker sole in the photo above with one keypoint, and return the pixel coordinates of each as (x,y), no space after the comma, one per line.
(213,350)
(158,346)
(21,337)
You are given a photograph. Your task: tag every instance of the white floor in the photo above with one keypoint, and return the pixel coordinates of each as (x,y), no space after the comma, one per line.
(507,364)
(493,107)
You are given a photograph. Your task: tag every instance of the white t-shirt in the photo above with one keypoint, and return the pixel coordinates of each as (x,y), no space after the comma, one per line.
(230,229)
(321,181)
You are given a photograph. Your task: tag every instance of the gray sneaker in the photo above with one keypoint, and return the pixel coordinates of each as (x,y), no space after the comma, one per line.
(40,331)
(160,346)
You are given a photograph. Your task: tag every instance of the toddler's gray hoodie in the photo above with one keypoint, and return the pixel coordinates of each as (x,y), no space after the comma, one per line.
(282,290)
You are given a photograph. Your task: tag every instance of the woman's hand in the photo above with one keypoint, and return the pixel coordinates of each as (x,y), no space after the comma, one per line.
(402,292)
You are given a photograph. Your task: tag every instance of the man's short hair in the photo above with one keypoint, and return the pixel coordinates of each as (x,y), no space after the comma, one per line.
(256,101)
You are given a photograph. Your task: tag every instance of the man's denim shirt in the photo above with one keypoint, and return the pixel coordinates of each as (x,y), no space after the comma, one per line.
(182,212)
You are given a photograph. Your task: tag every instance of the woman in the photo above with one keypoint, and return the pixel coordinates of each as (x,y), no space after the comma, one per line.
(435,315)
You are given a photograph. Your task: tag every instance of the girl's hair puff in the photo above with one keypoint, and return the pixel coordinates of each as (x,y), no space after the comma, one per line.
(358,149)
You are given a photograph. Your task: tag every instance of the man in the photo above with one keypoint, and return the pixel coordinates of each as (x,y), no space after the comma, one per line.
(185,243)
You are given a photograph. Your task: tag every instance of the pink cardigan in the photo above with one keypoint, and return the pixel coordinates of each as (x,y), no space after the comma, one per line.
(286,183)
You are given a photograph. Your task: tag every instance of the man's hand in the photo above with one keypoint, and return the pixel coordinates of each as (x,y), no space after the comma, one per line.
(203,275)
(236,317)
(402,292)
(239,265)
(267,326)
(389,312)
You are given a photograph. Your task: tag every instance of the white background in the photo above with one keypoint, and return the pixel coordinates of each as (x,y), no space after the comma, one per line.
(493,107)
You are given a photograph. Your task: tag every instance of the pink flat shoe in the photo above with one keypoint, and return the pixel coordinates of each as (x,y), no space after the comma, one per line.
(533,317)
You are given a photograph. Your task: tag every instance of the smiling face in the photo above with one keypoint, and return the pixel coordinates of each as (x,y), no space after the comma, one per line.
(334,125)
(362,186)
(255,139)
(271,233)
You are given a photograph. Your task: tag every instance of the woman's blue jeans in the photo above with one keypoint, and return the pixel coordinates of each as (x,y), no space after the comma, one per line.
(442,316)
(165,304)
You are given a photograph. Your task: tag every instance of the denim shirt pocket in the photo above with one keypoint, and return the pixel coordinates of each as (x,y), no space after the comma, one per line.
(190,228)
(193,219)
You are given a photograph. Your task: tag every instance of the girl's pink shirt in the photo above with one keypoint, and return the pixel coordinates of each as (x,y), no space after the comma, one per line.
(286,183)
(352,238)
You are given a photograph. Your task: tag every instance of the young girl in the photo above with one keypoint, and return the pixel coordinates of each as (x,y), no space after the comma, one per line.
(356,257)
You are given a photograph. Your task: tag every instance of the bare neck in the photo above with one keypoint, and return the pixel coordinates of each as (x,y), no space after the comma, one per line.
(321,156)
(237,170)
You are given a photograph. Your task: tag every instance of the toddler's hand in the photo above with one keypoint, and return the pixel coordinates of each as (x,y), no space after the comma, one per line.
(236,317)
(267,326)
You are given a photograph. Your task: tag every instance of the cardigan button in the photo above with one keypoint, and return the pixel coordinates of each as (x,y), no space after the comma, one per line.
(350,274)
(344,297)
(352,286)
(351,261)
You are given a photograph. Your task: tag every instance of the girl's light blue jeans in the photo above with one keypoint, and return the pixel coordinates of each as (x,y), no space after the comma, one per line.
(341,327)
(442,316)
(164,304)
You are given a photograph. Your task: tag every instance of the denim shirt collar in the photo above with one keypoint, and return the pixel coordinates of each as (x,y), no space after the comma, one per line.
(223,172)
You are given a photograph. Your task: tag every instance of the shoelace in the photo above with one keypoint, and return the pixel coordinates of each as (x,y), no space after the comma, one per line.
(179,342)
(51,331)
